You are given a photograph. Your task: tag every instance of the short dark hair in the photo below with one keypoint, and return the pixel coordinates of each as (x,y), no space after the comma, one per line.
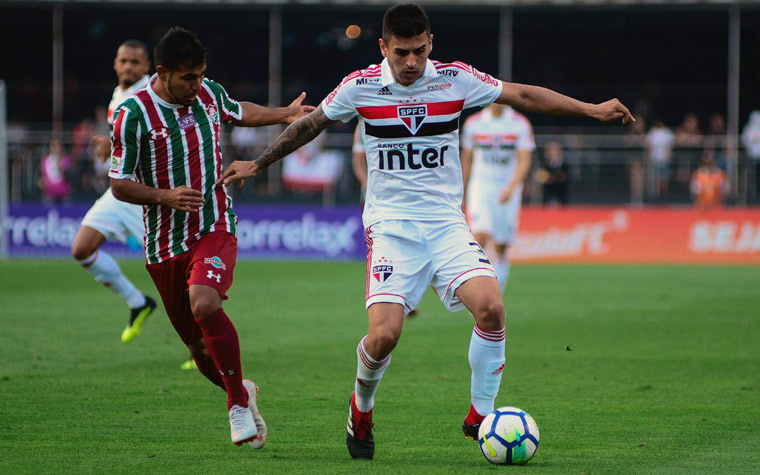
(137,44)
(179,47)
(405,20)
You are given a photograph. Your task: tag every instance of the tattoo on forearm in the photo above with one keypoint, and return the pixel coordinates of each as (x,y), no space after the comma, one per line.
(299,133)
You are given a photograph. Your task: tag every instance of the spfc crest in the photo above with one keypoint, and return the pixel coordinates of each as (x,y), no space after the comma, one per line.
(382,270)
(413,116)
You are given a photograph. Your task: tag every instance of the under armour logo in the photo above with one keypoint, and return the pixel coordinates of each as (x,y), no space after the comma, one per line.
(218,277)
(159,132)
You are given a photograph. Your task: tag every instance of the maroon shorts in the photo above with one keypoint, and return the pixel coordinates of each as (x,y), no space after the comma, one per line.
(211,262)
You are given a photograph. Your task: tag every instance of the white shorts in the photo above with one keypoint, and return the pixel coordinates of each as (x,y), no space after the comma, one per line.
(486,215)
(116,220)
(405,257)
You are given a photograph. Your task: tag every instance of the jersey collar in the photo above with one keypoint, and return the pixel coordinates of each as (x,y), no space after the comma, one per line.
(155,97)
(386,75)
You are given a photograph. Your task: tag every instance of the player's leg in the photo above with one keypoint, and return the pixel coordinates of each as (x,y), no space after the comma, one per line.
(465,278)
(482,297)
(373,355)
(501,264)
(398,273)
(211,275)
(86,251)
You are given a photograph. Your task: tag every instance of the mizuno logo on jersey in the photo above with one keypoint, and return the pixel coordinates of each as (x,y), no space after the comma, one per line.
(384,91)
(413,116)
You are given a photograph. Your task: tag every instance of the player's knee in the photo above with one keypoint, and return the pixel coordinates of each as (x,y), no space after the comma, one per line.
(490,315)
(203,307)
(382,343)
(80,252)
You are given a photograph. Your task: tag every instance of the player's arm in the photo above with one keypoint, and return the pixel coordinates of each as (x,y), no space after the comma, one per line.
(543,100)
(254,115)
(299,133)
(181,198)
(524,158)
(359,164)
(465,157)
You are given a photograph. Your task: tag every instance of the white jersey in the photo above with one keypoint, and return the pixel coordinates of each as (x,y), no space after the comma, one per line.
(411,136)
(494,142)
(120,95)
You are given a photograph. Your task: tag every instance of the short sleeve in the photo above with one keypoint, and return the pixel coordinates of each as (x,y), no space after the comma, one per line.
(526,140)
(483,89)
(229,108)
(125,144)
(466,139)
(338,104)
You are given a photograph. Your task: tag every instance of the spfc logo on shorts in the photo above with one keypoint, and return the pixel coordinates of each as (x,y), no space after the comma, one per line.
(382,269)
(412,116)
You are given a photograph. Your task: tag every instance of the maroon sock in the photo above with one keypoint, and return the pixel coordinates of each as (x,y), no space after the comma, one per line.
(208,369)
(223,346)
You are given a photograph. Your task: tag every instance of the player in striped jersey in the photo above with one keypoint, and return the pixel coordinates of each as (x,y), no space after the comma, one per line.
(166,157)
(415,227)
(497,144)
(110,219)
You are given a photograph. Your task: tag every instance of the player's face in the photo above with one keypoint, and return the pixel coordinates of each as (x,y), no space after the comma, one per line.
(130,65)
(407,56)
(184,84)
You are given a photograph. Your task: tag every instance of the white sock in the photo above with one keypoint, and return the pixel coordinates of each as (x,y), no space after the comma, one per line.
(501,266)
(106,271)
(487,360)
(368,374)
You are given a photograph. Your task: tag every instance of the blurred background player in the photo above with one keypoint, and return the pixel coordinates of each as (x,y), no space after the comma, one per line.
(166,157)
(111,219)
(415,228)
(497,148)
(708,183)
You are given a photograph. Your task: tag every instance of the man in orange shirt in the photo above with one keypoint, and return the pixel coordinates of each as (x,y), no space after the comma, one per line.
(708,183)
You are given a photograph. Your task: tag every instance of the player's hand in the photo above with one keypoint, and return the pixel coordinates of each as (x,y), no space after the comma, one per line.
(238,170)
(102,147)
(506,194)
(612,110)
(296,110)
(183,198)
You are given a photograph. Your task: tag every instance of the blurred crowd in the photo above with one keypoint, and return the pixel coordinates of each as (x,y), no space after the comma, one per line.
(651,163)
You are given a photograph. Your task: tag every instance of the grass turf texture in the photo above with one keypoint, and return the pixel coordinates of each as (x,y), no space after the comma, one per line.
(662,376)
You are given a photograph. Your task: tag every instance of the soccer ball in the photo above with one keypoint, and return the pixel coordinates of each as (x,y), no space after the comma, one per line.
(509,436)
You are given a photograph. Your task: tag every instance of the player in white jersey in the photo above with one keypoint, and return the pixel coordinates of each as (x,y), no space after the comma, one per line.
(497,144)
(416,231)
(111,219)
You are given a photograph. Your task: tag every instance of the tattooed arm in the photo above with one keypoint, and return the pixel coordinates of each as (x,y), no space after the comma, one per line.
(299,133)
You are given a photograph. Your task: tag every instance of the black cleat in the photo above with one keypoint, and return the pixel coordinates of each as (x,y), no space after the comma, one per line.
(470,430)
(359,438)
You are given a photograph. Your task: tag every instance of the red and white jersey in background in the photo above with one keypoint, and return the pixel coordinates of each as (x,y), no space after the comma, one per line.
(411,136)
(120,95)
(494,142)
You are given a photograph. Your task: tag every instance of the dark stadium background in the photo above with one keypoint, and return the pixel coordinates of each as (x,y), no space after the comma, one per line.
(663,61)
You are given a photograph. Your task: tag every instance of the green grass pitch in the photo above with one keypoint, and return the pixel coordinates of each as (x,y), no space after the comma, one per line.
(626,369)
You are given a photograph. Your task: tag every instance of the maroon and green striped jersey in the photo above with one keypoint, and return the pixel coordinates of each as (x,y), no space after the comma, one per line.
(164,146)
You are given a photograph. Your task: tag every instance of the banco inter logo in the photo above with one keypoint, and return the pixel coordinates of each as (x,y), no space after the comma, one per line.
(412,116)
